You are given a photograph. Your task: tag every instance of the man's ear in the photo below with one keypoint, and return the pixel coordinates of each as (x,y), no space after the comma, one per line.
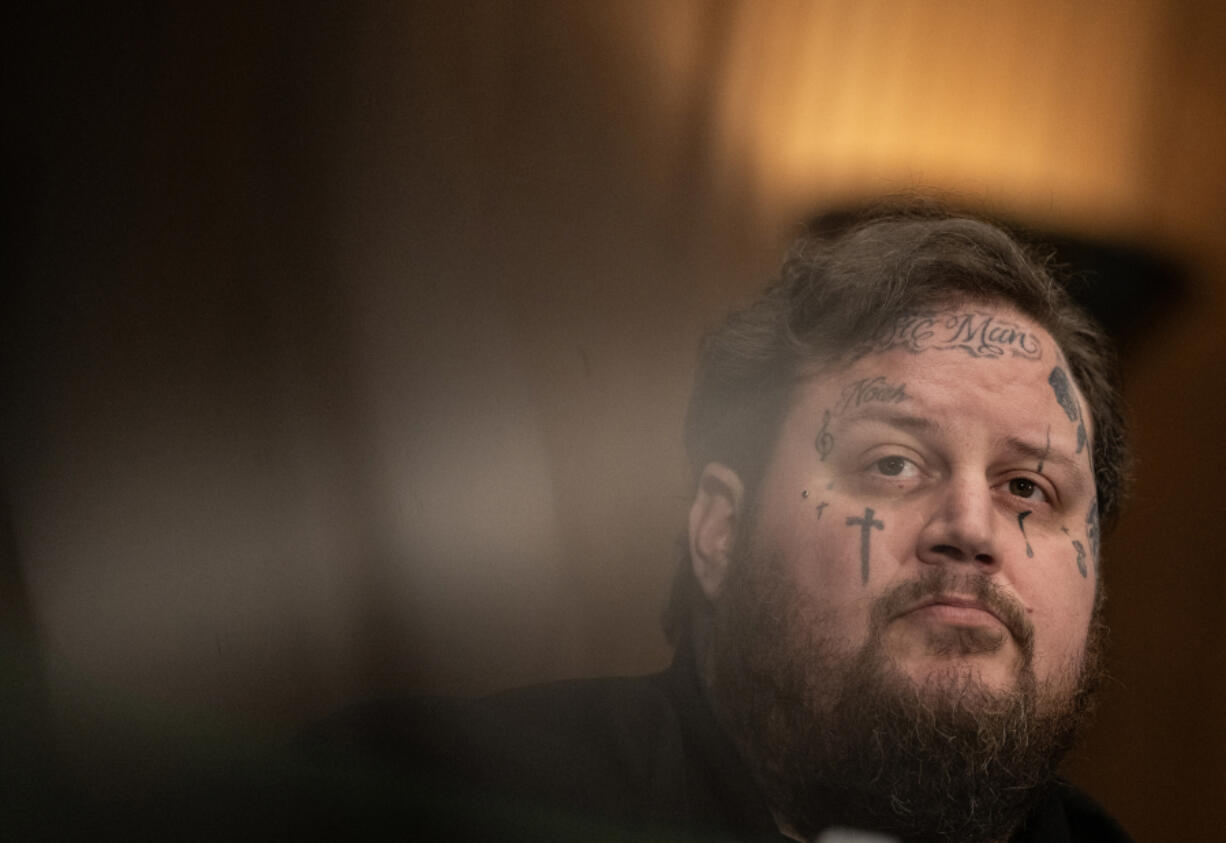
(714,519)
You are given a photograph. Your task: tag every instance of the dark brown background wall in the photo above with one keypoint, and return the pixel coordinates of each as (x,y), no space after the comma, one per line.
(350,345)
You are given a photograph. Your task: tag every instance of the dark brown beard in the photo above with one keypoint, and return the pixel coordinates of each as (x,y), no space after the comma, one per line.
(849,740)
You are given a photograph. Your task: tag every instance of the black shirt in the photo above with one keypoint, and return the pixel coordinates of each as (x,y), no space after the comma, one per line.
(626,759)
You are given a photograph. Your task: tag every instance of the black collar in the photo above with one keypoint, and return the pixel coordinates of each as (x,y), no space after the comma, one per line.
(720,785)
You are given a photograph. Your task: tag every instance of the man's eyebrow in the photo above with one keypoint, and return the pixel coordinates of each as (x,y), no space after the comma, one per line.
(1042,453)
(894,418)
(1045,454)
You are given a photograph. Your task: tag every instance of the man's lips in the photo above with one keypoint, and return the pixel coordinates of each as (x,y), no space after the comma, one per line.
(971,604)
(955,610)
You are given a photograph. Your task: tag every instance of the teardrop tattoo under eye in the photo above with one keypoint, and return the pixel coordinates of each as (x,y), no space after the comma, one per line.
(1021,519)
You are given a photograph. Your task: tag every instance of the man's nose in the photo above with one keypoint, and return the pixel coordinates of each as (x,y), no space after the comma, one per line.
(962,525)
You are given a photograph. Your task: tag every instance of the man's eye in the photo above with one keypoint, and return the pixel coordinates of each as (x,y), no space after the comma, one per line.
(1024,487)
(893,466)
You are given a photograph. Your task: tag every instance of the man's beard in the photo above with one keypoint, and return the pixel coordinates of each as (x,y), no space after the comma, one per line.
(847,739)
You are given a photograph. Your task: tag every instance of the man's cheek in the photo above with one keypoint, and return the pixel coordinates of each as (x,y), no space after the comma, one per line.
(819,500)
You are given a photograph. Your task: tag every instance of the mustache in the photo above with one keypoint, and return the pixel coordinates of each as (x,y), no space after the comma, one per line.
(942,581)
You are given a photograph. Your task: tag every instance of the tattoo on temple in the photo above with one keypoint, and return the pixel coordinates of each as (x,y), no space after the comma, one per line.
(825,442)
(1081,557)
(821,507)
(866,524)
(1021,519)
(1080,548)
(978,334)
(1064,395)
(1093,531)
(1046,451)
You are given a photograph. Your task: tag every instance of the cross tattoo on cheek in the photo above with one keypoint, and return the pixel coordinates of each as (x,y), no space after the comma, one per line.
(866,525)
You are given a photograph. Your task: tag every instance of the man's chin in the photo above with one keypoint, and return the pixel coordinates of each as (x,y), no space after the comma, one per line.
(942,659)
(942,676)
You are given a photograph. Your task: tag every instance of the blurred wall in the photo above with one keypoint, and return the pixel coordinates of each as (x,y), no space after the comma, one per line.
(351,345)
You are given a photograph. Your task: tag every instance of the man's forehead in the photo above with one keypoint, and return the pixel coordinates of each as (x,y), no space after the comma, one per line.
(982,352)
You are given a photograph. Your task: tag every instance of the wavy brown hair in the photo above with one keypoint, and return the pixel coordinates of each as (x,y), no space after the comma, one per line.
(843,283)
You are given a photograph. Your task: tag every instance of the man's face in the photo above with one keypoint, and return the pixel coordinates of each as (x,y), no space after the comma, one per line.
(901,629)
(936,454)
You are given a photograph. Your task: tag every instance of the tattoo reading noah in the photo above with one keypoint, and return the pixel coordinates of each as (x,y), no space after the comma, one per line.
(875,390)
(978,334)
(869,391)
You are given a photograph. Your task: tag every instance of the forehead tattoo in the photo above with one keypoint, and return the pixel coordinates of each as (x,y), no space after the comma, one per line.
(978,333)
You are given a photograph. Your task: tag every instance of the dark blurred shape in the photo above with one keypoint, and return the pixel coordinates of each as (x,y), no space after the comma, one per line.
(30,785)
(1128,287)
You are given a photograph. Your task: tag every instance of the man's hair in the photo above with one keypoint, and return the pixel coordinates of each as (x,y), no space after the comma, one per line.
(843,283)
